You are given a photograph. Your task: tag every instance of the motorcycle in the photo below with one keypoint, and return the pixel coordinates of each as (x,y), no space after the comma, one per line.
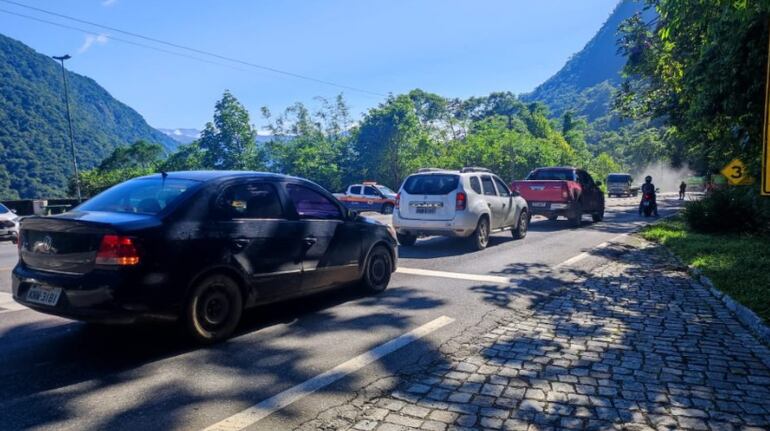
(648,205)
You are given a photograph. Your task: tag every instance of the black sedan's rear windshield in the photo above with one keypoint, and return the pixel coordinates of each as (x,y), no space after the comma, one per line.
(552,175)
(142,196)
(433,184)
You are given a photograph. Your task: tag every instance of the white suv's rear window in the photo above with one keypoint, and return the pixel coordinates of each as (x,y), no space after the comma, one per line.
(433,184)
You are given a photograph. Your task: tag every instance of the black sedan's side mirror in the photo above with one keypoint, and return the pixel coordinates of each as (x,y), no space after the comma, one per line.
(598,183)
(352,214)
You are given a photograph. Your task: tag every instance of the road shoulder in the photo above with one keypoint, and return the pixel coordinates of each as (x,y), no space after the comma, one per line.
(629,340)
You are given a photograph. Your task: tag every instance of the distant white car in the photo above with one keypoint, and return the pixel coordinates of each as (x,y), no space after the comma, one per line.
(470,203)
(9,225)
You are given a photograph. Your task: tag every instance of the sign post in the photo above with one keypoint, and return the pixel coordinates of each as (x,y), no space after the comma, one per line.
(765,189)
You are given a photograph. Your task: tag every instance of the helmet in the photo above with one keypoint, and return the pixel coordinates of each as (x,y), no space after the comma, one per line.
(648,179)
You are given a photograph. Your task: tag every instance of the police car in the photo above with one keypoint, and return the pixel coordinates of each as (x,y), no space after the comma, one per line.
(368,196)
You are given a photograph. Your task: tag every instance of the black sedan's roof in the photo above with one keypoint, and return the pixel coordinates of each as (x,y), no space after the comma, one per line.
(205,176)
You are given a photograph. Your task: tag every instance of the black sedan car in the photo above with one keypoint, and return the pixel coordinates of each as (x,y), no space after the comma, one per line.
(199,247)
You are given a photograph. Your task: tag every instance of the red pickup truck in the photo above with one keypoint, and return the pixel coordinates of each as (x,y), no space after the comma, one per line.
(564,191)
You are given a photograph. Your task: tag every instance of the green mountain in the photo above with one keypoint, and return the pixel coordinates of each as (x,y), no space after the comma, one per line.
(35,157)
(587,81)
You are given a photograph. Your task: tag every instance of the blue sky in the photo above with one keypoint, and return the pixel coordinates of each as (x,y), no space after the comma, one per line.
(454,48)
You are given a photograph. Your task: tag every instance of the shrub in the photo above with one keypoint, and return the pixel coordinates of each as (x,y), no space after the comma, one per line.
(735,210)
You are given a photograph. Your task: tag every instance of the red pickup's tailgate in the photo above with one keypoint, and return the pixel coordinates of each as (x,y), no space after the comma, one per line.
(541,191)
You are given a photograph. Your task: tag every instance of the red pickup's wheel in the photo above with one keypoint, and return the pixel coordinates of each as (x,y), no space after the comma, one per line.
(598,216)
(577,217)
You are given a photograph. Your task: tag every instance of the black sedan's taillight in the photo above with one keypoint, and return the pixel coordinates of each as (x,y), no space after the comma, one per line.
(117,250)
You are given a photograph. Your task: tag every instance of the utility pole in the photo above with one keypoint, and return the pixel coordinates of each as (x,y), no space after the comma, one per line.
(69,122)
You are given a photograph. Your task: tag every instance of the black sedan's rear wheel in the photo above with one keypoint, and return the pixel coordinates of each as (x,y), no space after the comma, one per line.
(214,308)
(379,267)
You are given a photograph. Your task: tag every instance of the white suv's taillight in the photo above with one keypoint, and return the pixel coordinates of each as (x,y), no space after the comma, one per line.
(461,201)
(398,200)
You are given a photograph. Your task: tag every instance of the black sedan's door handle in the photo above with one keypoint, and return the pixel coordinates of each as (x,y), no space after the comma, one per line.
(309,241)
(240,243)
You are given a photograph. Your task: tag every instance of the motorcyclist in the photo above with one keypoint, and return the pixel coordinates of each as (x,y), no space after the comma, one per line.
(649,188)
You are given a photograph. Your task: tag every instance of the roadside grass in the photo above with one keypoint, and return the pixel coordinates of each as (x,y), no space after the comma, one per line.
(738,265)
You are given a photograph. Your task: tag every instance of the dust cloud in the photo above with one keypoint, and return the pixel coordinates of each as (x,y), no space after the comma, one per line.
(666,178)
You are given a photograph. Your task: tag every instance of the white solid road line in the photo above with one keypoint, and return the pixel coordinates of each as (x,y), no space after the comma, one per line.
(455,275)
(277,402)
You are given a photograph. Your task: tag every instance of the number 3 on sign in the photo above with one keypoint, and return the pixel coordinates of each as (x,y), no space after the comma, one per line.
(735,172)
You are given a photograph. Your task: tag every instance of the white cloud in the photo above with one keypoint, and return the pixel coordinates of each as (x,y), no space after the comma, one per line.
(108,3)
(91,39)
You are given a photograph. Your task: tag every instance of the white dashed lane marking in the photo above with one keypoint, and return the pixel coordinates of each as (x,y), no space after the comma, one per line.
(454,275)
(277,402)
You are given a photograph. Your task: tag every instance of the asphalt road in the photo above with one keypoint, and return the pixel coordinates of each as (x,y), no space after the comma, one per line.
(56,373)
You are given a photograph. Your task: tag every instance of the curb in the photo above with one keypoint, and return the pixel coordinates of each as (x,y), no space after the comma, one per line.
(747,317)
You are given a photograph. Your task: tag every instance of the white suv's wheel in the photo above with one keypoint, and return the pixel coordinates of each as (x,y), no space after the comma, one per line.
(480,236)
(521,229)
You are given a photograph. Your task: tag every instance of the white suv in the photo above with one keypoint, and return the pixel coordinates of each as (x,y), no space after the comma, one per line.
(9,224)
(471,203)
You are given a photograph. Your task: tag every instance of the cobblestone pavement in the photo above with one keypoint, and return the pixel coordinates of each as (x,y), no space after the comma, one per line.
(634,345)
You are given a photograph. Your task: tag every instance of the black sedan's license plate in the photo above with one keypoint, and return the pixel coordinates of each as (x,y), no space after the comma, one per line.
(44,295)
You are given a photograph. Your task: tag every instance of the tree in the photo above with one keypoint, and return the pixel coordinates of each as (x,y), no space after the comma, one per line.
(186,158)
(94,181)
(602,165)
(700,68)
(229,141)
(510,153)
(141,153)
(574,132)
(311,144)
(390,142)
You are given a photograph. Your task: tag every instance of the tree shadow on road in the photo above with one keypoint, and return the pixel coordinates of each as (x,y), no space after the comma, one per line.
(623,348)
(156,379)
(435,247)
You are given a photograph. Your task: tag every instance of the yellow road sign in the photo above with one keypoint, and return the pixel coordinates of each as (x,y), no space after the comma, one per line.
(736,173)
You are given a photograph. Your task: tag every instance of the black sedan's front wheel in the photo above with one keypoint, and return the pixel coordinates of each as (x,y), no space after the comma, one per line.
(214,308)
(379,267)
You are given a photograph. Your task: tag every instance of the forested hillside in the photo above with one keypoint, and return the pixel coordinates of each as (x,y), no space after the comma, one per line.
(587,81)
(585,90)
(35,157)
